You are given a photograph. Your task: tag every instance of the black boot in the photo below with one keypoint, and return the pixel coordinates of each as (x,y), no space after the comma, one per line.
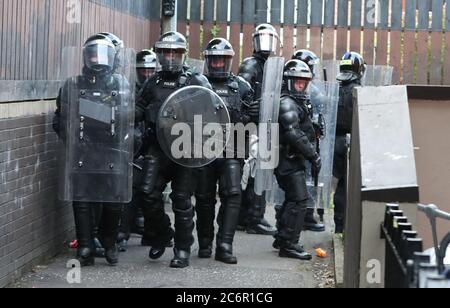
(84,230)
(122,242)
(276,244)
(294,251)
(224,253)
(228,220)
(184,239)
(181,258)
(257,224)
(99,250)
(261,229)
(109,229)
(139,223)
(205,249)
(205,228)
(311,223)
(158,249)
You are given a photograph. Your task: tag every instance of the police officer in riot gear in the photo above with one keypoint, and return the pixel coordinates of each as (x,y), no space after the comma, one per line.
(132,220)
(352,69)
(311,59)
(145,66)
(99,73)
(265,43)
(238,97)
(296,146)
(158,169)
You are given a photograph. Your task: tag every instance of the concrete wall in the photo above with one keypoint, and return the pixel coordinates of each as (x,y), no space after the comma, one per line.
(430,114)
(382,170)
(33,226)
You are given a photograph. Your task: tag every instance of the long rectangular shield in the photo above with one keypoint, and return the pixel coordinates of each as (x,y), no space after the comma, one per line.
(97,127)
(268,132)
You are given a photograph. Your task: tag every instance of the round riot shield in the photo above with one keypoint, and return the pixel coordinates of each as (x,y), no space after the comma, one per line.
(193,127)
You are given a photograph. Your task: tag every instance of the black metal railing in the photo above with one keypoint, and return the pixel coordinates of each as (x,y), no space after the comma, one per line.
(406,265)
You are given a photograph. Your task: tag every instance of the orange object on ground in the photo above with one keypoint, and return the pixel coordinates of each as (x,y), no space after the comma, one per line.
(321,253)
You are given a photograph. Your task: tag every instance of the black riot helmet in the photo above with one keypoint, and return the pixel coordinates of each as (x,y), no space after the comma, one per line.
(219,58)
(145,65)
(114,39)
(310,58)
(265,40)
(297,76)
(99,54)
(352,67)
(171,51)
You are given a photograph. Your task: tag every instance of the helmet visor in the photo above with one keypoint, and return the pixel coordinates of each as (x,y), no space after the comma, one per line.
(265,42)
(298,86)
(99,56)
(171,60)
(218,66)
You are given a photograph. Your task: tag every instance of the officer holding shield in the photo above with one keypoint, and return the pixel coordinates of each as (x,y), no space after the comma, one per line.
(296,146)
(238,97)
(265,43)
(158,169)
(352,69)
(94,121)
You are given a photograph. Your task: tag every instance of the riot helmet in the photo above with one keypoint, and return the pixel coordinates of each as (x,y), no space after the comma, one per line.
(352,67)
(310,58)
(99,54)
(219,58)
(145,65)
(114,39)
(171,51)
(297,76)
(265,40)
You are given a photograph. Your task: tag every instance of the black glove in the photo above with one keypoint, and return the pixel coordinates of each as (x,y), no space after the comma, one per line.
(317,164)
(320,126)
(254,109)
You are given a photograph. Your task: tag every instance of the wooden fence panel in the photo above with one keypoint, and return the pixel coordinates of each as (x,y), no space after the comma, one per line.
(396,40)
(288,28)
(369,31)
(302,24)
(422,43)
(381,55)
(436,68)
(194,30)
(342,28)
(248,18)
(182,9)
(275,17)
(208,22)
(328,30)
(409,50)
(316,27)
(235,31)
(34,32)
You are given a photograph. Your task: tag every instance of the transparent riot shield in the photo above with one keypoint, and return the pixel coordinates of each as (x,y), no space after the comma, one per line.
(268,149)
(197,65)
(324,99)
(193,127)
(97,126)
(330,69)
(378,76)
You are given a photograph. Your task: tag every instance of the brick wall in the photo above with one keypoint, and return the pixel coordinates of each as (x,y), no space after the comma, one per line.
(33,225)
